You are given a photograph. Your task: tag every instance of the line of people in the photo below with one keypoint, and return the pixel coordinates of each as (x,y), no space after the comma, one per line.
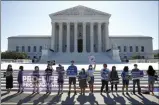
(84,77)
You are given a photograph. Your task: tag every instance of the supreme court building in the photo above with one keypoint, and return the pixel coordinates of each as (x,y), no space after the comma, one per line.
(77,33)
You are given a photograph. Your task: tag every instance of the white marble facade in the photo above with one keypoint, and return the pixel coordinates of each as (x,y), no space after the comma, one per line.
(81,31)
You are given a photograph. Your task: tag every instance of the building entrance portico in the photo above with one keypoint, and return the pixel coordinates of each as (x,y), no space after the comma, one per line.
(79,32)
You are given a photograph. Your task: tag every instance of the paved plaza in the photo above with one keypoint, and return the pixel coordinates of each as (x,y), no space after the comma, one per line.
(64,99)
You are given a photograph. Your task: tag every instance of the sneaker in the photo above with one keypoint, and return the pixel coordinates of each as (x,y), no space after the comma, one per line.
(152,93)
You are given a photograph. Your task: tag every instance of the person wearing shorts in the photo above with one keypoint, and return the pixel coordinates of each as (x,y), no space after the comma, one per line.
(125,79)
(72,74)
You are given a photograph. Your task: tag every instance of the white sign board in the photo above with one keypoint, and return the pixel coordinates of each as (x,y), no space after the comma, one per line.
(91,59)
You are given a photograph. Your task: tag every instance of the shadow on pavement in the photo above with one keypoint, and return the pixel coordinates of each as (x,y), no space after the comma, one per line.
(55,99)
(41,99)
(26,99)
(146,100)
(132,100)
(119,99)
(9,97)
(108,99)
(69,100)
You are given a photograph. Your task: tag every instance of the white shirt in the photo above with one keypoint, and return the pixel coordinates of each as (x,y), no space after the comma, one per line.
(90,72)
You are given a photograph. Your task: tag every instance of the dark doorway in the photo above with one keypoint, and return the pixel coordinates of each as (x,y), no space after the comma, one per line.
(80,45)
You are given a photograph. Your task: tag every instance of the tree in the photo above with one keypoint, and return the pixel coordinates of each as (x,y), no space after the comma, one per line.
(13,55)
(135,57)
(156,55)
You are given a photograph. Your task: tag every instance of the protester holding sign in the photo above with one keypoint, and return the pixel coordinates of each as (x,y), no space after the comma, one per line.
(90,76)
(48,74)
(135,74)
(105,74)
(125,78)
(82,80)
(20,79)
(114,78)
(151,78)
(72,73)
(36,76)
(60,70)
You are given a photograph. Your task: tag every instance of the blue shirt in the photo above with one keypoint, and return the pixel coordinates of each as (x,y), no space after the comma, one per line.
(72,71)
(105,74)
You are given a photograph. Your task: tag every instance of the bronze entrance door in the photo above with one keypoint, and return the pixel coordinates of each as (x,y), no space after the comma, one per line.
(80,45)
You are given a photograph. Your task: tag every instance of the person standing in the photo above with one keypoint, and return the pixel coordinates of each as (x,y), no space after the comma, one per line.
(36,79)
(48,74)
(9,78)
(72,73)
(135,73)
(20,79)
(125,79)
(90,76)
(61,72)
(151,78)
(82,80)
(105,74)
(114,78)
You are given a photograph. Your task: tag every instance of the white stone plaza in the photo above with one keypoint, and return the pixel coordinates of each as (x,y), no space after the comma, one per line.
(78,33)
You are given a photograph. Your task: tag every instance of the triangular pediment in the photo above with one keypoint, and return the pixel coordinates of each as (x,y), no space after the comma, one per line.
(79,10)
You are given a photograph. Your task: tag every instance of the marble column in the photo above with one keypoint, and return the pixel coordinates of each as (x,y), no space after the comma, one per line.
(60,37)
(106,36)
(99,37)
(92,37)
(75,37)
(68,37)
(53,36)
(84,37)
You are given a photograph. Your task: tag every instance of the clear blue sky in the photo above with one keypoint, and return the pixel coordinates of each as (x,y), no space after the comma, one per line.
(32,17)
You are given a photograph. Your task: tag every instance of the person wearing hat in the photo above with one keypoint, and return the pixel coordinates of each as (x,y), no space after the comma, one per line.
(136,80)
(60,70)
(72,74)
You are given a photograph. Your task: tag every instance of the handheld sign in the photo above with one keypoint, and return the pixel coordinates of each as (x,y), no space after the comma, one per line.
(91,59)
(105,75)
(72,71)
(137,75)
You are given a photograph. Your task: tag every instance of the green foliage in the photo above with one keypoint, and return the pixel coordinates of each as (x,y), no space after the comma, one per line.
(156,55)
(135,57)
(13,55)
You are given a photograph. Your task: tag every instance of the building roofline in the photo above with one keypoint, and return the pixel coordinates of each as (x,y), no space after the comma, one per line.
(49,36)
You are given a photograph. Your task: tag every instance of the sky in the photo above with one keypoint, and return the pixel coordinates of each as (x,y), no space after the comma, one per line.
(32,17)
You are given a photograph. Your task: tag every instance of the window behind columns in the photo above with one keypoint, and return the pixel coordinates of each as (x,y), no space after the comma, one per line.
(34,48)
(23,49)
(119,48)
(17,48)
(124,48)
(40,49)
(137,49)
(142,48)
(29,48)
(131,49)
